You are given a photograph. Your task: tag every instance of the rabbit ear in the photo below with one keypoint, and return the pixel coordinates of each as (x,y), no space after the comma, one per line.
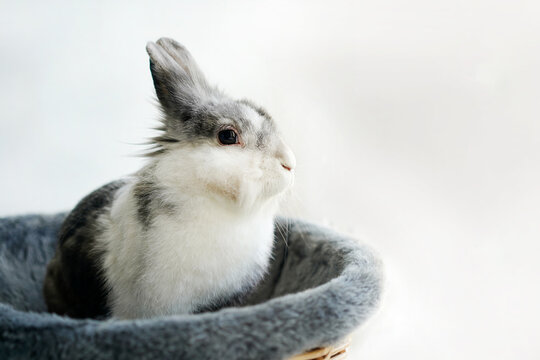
(180,85)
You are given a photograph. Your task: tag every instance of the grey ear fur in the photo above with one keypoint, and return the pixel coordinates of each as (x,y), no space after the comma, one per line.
(180,85)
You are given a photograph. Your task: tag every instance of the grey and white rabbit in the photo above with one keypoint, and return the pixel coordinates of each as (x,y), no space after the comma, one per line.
(193,229)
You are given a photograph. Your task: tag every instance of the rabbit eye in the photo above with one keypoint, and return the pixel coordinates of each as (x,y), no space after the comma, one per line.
(228,137)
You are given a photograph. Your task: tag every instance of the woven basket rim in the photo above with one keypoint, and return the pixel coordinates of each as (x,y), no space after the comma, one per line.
(337,351)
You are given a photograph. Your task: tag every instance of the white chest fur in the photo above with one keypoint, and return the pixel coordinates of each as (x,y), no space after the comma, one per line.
(183,261)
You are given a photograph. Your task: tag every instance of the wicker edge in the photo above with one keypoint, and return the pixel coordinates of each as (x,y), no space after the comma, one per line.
(338,351)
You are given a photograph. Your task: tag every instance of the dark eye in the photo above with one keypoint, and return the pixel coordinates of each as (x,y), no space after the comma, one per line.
(228,137)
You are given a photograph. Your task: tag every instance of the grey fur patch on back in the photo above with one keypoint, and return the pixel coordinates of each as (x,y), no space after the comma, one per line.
(73,283)
(89,208)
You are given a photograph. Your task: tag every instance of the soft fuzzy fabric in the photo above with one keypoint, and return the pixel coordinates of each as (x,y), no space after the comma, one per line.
(320,287)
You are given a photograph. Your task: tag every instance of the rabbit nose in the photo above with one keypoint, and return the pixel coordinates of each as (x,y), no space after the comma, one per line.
(286,157)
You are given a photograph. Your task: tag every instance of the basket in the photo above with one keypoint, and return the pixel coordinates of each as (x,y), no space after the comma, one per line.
(319,288)
(339,351)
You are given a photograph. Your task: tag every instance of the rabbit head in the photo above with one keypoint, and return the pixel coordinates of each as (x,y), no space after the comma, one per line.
(211,145)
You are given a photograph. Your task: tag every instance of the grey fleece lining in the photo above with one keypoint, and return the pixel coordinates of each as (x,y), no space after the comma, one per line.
(317,291)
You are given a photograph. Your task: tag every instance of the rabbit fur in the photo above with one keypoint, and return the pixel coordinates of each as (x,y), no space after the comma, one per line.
(191,231)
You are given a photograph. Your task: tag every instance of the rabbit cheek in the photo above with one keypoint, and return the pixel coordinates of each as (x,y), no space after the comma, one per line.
(228,190)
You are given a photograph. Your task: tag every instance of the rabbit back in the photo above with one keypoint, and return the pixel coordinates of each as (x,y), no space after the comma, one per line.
(73,283)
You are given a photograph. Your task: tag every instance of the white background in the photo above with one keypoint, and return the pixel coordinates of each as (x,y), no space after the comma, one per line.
(415,124)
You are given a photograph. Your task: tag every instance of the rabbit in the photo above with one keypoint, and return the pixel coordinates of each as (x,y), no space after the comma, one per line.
(193,229)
